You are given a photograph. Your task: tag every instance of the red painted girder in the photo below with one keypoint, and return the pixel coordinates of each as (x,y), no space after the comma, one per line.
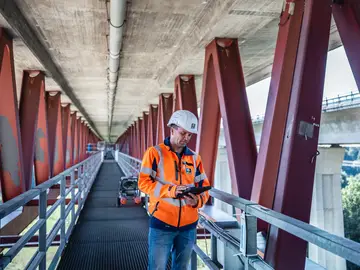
(131,146)
(138,137)
(164,114)
(294,188)
(11,166)
(152,125)
(65,111)
(59,155)
(76,142)
(144,134)
(42,153)
(185,98)
(70,140)
(32,85)
(347,18)
(53,108)
(224,87)
(268,161)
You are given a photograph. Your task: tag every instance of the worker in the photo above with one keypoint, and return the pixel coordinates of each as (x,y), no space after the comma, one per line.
(166,171)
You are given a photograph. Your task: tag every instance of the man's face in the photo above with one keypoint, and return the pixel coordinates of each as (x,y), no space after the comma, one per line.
(180,136)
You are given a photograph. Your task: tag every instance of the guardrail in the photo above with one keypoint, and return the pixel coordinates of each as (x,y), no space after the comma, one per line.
(343,102)
(246,245)
(86,173)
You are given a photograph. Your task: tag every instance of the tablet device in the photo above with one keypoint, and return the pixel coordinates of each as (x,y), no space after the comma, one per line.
(194,190)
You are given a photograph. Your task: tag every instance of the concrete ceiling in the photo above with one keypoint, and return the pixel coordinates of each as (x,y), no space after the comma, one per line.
(162,38)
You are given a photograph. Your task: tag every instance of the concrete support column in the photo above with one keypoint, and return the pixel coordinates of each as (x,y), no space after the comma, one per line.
(326,208)
(222,179)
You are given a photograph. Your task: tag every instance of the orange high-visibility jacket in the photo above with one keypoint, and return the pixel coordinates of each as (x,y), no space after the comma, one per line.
(161,171)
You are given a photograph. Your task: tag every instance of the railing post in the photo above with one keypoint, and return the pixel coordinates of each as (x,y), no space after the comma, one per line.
(214,253)
(62,212)
(42,231)
(248,238)
(72,184)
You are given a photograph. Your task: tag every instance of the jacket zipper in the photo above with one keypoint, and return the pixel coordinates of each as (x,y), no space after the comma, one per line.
(179,198)
(176,171)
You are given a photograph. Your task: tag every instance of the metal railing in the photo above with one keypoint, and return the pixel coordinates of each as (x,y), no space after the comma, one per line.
(246,246)
(338,103)
(86,173)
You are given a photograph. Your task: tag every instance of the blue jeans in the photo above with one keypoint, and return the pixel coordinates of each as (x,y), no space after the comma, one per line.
(180,244)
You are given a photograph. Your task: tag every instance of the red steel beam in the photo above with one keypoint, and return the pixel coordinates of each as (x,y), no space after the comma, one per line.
(66,128)
(145,133)
(59,157)
(82,140)
(32,85)
(152,125)
(42,153)
(185,98)
(11,167)
(53,108)
(347,18)
(138,137)
(164,114)
(131,144)
(76,141)
(70,141)
(223,75)
(297,164)
(277,106)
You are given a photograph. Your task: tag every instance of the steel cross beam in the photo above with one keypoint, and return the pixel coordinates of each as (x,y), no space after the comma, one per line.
(70,141)
(76,140)
(42,152)
(224,91)
(152,125)
(16,19)
(11,163)
(33,84)
(65,111)
(185,98)
(347,18)
(164,114)
(294,188)
(139,135)
(268,161)
(53,113)
(145,132)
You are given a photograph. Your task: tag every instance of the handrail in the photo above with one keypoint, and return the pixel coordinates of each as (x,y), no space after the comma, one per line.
(345,248)
(343,102)
(87,171)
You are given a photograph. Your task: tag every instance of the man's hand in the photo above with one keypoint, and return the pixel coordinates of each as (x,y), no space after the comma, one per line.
(179,190)
(191,199)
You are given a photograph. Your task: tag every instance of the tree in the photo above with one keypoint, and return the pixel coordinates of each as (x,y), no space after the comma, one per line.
(351,203)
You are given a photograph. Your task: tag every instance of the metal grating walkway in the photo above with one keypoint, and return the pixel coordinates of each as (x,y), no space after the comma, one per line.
(107,237)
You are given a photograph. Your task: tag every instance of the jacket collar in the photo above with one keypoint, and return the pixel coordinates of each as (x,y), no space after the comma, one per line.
(186,151)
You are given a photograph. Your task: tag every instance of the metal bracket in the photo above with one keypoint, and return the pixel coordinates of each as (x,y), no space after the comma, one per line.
(306,129)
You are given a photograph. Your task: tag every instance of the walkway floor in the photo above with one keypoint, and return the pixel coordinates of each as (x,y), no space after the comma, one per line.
(107,237)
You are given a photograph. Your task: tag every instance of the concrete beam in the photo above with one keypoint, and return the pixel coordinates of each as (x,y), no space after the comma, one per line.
(337,127)
(17,21)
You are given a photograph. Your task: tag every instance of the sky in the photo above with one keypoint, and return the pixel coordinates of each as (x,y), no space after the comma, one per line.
(339,80)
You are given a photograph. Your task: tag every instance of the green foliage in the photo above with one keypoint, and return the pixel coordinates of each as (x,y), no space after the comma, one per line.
(351,203)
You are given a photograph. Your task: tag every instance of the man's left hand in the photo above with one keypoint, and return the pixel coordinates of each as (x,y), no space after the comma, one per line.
(191,199)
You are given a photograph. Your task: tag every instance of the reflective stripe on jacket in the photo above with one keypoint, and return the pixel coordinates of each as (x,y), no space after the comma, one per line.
(161,171)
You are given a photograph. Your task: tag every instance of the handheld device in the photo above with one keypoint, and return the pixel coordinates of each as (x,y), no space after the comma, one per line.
(193,190)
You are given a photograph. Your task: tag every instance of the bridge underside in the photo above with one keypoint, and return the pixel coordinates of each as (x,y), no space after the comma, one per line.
(175,55)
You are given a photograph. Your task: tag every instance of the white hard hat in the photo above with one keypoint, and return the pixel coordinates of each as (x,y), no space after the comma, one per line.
(185,119)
